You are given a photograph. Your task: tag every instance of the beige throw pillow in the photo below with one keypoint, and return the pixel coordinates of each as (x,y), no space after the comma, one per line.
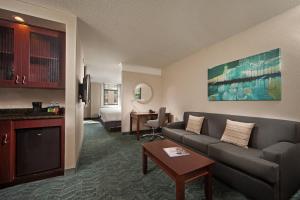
(194,124)
(237,133)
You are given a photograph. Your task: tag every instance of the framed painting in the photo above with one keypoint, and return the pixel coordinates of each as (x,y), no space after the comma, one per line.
(255,78)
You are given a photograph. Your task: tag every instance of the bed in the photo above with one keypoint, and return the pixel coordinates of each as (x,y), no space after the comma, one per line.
(110,118)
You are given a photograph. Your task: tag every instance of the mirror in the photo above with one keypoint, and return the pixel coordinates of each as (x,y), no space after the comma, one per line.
(142,93)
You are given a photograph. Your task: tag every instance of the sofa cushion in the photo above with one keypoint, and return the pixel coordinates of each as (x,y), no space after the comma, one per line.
(237,133)
(246,160)
(194,124)
(277,151)
(175,134)
(177,125)
(199,142)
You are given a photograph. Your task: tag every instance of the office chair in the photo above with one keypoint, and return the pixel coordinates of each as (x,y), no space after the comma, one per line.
(157,123)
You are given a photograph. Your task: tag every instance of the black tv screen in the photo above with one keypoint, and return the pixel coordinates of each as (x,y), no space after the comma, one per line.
(86,89)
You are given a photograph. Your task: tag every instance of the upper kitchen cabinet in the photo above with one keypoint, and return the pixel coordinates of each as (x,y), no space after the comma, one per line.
(45,65)
(33,57)
(10,54)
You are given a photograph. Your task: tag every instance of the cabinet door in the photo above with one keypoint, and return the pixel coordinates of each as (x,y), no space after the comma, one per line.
(45,67)
(10,52)
(6,165)
(37,150)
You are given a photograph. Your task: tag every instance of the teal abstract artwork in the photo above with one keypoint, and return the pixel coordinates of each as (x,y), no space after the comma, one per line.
(255,78)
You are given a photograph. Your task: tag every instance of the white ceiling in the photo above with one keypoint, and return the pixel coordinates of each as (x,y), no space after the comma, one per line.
(156,33)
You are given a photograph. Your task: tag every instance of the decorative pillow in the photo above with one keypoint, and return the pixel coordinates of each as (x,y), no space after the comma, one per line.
(194,124)
(237,133)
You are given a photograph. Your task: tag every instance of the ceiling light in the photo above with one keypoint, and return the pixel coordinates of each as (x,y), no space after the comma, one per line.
(19,19)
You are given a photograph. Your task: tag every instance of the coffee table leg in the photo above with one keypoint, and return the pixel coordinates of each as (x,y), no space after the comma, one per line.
(145,162)
(180,187)
(208,185)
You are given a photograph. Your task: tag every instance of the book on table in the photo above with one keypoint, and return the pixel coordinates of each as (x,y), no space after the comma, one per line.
(175,151)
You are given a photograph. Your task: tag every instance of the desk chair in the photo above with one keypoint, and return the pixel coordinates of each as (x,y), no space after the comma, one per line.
(157,123)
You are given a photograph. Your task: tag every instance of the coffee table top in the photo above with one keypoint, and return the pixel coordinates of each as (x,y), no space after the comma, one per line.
(180,165)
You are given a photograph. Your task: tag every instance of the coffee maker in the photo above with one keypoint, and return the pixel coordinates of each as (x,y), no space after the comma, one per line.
(37,107)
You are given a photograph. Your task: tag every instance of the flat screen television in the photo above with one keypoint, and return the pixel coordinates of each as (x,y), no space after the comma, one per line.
(85,89)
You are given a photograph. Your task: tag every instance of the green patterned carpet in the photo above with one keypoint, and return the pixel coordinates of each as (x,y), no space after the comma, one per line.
(110,168)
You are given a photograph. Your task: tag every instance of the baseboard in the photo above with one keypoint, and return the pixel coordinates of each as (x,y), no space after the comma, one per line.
(134,132)
(92,118)
(70,171)
(115,129)
(78,158)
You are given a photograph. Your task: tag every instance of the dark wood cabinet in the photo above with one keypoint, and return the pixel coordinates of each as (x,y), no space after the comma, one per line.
(10,66)
(37,150)
(31,56)
(46,58)
(6,152)
(31,150)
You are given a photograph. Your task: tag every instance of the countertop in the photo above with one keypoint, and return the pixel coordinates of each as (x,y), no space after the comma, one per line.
(26,113)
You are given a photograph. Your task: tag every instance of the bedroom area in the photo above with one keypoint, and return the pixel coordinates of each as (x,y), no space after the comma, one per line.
(105,69)
(104,106)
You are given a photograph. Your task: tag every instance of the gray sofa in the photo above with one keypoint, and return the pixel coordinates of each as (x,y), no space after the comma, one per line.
(268,169)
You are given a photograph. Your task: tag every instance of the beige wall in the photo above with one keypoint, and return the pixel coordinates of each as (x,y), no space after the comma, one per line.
(185,82)
(129,81)
(92,110)
(79,105)
(70,93)
(23,97)
(95,99)
(87,110)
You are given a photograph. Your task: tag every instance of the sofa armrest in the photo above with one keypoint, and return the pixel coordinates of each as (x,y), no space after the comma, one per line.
(286,154)
(274,152)
(176,125)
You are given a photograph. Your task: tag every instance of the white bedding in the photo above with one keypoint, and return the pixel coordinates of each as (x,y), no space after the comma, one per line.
(110,114)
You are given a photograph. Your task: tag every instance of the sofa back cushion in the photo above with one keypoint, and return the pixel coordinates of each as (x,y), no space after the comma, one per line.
(194,124)
(237,133)
(298,132)
(265,132)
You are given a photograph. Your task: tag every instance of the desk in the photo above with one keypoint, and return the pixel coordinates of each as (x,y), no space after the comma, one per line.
(138,115)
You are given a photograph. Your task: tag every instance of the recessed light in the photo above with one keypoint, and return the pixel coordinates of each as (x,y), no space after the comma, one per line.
(19,19)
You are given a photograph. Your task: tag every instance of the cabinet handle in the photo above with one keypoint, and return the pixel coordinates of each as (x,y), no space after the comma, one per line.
(5,140)
(39,134)
(17,79)
(23,80)
(12,72)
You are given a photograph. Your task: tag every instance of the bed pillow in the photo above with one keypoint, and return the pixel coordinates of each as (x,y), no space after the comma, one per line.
(194,124)
(237,133)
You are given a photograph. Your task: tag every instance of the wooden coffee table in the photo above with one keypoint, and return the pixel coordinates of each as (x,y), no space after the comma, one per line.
(181,169)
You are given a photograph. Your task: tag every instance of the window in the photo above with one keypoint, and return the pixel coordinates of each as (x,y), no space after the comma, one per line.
(111,95)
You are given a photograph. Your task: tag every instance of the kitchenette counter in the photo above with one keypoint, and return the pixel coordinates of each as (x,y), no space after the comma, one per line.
(27,113)
(26,138)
